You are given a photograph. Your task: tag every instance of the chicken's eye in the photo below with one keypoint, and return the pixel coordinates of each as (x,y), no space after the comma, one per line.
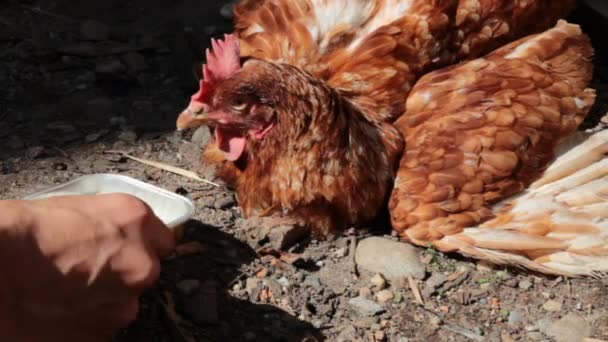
(239,106)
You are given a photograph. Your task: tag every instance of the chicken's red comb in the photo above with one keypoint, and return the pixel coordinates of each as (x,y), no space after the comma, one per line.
(222,62)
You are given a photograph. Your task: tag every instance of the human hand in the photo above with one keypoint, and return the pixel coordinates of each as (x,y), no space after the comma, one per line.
(73,268)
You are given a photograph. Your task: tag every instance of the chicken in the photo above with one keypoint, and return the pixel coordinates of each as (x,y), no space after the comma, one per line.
(479,132)
(291,144)
(304,96)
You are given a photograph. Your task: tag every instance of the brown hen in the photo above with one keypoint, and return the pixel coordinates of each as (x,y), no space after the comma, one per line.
(304,96)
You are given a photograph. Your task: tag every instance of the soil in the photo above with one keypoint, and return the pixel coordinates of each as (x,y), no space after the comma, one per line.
(82,78)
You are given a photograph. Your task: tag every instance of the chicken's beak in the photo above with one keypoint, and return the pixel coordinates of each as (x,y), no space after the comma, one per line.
(194,116)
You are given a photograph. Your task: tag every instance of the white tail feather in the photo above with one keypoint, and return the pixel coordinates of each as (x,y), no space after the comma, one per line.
(558,226)
(591,150)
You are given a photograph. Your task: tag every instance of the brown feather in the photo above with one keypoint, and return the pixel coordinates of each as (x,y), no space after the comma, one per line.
(501,117)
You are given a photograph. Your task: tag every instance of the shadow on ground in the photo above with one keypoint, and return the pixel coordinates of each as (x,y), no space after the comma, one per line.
(206,265)
(80,77)
(78,73)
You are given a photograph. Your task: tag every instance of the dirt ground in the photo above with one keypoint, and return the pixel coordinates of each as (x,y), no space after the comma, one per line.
(81,78)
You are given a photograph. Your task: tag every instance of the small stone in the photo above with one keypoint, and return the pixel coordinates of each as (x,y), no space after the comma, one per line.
(298,277)
(525,284)
(319,263)
(535,336)
(224,203)
(59,166)
(514,317)
(94,30)
(531,328)
(380,336)
(251,284)
(274,232)
(274,287)
(261,274)
(237,287)
(552,305)
(365,307)
(341,252)
(378,255)
(433,283)
(365,322)
(378,282)
(284,282)
(201,136)
(348,334)
(188,286)
(543,324)
(284,236)
(571,327)
(365,292)
(384,296)
(128,136)
(504,337)
(434,320)
(313,281)
(455,279)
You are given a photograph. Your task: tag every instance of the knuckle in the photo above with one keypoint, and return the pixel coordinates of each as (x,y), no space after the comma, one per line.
(136,209)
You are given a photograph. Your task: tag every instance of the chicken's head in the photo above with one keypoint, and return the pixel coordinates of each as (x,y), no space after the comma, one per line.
(229,100)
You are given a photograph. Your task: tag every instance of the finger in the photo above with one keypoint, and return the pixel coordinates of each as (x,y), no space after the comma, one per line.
(140,222)
(137,268)
(125,211)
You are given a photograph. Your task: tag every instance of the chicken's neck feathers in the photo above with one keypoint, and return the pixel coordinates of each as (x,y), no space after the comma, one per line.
(309,111)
